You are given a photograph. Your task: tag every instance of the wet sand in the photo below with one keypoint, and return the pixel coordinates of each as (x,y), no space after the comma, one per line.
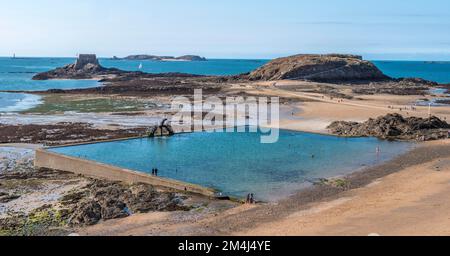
(410,202)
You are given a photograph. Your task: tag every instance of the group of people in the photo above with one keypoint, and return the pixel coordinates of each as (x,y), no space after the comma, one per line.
(155,172)
(250,199)
(412,108)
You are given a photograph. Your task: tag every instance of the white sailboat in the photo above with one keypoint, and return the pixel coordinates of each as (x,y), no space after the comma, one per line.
(140,66)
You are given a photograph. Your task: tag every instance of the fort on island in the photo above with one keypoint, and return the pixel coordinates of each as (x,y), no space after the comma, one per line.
(85,59)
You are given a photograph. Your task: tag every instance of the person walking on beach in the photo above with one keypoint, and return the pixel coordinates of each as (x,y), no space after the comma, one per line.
(248,199)
(156,172)
(153,171)
(252,198)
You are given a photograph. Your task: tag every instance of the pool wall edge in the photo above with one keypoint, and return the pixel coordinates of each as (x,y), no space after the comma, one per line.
(55,161)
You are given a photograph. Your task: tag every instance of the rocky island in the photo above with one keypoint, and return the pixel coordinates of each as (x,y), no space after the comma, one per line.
(85,67)
(322,68)
(164,58)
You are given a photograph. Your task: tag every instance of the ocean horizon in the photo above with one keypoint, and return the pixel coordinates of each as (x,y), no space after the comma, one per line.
(16,74)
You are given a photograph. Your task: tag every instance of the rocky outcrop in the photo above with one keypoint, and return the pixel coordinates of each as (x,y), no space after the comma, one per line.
(62,133)
(191,58)
(104,200)
(415,82)
(86,67)
(401,86)
(163,58)
(394,127)
(145,57)
(322,68)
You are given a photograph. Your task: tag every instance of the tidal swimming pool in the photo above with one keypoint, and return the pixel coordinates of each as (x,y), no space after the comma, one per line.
(237,163)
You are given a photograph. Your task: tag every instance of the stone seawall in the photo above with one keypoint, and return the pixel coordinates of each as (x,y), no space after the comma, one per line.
(50,160)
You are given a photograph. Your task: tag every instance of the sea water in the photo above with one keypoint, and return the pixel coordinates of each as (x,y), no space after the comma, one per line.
(219,67)
(437,71)
(237,163)
(16,73)
(15,102)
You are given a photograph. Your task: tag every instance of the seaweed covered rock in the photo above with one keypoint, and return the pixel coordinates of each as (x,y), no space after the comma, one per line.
(87,212)
(401,86)
(322,68)
(104,200)
(394,127)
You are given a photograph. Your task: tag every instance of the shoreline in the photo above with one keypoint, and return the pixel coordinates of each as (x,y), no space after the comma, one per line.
(24,102)
(362,184)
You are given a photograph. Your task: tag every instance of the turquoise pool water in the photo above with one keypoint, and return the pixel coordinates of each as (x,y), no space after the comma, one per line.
(237,164)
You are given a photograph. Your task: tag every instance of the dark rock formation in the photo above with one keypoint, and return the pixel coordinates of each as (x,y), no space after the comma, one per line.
(394,127)
(86,67)
(416,82)
(103,200)
(151,84)
(162,58)
(62,133)
(322,68)
(5,197)
(145,57)
(443,101)
(401,86)
(191,58)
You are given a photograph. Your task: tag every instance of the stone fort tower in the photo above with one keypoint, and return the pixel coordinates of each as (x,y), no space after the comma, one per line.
(84,59)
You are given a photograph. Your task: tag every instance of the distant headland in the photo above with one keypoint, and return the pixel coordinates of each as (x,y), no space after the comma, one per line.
(162,58)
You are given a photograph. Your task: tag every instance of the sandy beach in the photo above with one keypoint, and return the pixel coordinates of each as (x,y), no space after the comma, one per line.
(409,202)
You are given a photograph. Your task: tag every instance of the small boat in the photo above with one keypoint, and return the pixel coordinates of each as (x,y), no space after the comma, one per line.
(14,56)
(140,66)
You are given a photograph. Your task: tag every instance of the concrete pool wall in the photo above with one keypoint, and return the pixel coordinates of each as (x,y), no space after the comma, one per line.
(50,160)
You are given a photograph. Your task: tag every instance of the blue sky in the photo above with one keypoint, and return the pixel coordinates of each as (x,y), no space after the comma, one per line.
(379,29)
